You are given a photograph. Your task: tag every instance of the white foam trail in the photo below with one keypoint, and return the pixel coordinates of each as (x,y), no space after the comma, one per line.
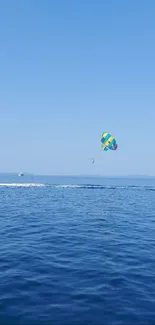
(74,186)
(21,185)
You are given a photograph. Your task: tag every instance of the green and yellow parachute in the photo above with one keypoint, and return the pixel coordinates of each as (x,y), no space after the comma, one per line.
(108,141)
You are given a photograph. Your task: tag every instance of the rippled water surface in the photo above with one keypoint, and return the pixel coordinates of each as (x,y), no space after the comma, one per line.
(77,250)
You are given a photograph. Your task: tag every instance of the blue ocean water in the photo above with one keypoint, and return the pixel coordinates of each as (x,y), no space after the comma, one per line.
(77,250)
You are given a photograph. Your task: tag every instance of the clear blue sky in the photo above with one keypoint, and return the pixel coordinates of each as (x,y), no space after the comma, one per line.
(70,70)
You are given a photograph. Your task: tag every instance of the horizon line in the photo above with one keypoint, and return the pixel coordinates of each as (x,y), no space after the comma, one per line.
(81,175)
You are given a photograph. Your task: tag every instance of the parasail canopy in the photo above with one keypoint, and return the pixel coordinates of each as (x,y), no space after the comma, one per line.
(108,142)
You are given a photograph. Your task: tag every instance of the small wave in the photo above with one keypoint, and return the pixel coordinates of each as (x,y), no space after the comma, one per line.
(150,189)
(80,186)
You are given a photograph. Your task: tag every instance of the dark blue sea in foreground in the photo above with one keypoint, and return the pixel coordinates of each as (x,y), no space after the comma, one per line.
(77,250)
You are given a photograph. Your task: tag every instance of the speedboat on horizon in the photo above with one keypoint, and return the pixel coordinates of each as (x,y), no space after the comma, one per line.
(21,174)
